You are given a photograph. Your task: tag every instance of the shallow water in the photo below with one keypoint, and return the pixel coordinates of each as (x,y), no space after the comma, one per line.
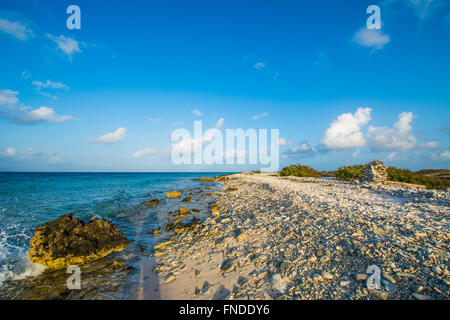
(31,199)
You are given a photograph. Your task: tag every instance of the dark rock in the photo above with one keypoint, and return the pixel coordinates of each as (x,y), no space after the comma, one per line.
(70,241)
(153,202)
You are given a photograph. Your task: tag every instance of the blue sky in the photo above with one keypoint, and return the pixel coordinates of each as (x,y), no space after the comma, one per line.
(107,97)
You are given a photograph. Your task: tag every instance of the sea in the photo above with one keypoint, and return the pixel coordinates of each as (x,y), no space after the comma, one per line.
(28,200)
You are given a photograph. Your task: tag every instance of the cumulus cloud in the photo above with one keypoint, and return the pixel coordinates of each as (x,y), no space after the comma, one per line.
(345,131)
(259,116)
(371,38)
(10,108)
(398,138)
(219,123)
(16,29)
(112,137)
(284,142)
(42,114)
(66,44)
(197,113)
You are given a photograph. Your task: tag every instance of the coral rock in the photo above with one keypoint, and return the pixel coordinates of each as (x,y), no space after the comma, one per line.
(70,241)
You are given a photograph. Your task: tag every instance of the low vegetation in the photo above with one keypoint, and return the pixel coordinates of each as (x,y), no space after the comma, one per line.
(350,173)
(432,179)
(356,172)
(299,171)
(404,175)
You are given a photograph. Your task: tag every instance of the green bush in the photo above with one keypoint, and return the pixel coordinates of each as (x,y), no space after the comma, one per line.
(356,172)
(350,173)
(404,175)
(299,171)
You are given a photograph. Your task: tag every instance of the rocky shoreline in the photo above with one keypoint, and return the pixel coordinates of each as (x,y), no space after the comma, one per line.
(269,237)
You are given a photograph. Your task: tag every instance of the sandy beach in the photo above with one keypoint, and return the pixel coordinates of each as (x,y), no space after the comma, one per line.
(270,237)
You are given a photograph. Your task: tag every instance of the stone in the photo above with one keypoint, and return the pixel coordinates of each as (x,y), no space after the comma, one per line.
(344,283)
(327,275)
(178,226)
(419,296)
(183,210)
(380,295)
(187,199)
(169,278)
(153,202)
(361,277)
(375,172)
(390,287)
(70,241)
(278,283)
(227,265)
(173,194)
(155,231)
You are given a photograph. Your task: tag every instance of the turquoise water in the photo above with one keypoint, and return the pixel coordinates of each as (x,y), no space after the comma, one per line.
(30,199)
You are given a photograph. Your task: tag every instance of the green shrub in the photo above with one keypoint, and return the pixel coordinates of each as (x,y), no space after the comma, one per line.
(350,173)
(404,175)
(299,171)
(356,172)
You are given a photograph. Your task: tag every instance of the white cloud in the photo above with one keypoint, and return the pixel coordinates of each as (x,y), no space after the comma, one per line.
(28,153)
(445,155)
(259,65)
(25,75)
(259,116)
(219,123)
(345,131)
(42,114)
(31,154)
(398,138)
(356,153)
(197,113)
(53,157)
(301,150)
(11,151)
(67,45)
(391,156)
(283,142)
(50,84)
(144,152)
(371,38)
(8,97)
(16,29)
(429,145)
(154,119)
(422,8)
(112,137)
